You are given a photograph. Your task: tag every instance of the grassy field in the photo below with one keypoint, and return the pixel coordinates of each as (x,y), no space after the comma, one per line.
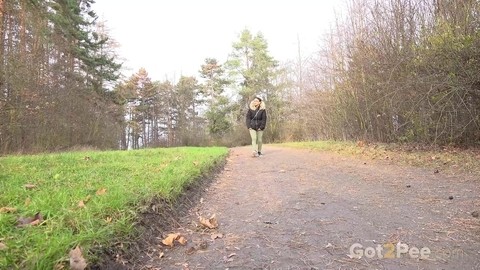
(85,198)
(448,159)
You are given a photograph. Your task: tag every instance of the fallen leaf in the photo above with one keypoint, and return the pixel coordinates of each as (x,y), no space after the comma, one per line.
(101,191)
(169,240)
(7,210)
(195,163)
(87,198)
(3,246)
(210,223)
(216,235)
(182,240)
(29,186)
(26,221)
(28,201)
(77,262)
(108,219)
(81,204)
(35,222)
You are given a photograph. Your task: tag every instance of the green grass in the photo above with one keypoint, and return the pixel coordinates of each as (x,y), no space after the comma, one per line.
(61,181)
(447,159)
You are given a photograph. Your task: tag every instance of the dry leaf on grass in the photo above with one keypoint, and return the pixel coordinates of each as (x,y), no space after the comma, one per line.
(29,186)
(210,223)
(7,209)
(172,237)
(101,191)
(28,201)
(81,204)
(32,221)
(3,246)
(77,261)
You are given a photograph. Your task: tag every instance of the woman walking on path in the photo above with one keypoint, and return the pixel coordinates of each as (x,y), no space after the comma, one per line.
(256,121)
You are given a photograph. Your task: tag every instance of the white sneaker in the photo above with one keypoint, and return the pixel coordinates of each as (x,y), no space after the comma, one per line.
(255,154)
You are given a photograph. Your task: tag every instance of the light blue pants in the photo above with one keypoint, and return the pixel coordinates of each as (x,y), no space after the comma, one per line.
(256,136)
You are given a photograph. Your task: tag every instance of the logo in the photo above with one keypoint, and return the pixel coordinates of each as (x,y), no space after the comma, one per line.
(388,251)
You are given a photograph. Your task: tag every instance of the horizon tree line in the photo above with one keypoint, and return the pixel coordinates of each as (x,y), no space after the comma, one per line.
(390,71)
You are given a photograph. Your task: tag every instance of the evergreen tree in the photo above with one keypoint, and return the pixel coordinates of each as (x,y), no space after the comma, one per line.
(219,108)
(253,72)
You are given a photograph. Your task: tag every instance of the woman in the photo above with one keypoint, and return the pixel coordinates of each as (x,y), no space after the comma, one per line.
(256,122)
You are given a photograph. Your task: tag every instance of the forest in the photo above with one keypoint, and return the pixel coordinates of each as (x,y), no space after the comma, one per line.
(389,71)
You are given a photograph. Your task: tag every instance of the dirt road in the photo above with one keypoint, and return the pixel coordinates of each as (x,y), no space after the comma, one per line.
(299,209)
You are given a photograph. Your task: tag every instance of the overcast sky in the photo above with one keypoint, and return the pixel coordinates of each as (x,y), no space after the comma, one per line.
(170,38)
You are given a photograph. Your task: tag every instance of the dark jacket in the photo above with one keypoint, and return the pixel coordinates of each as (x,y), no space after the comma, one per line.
(256,118)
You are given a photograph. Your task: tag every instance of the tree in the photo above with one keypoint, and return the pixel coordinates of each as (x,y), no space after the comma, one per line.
(187,96)
(51,93)
(218,105)
(252,72)
(399,70)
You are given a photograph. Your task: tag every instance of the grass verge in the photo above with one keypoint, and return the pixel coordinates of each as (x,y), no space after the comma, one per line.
(86,198)
(447,159)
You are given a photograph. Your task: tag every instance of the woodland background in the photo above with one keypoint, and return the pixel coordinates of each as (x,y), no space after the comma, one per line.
(404,71)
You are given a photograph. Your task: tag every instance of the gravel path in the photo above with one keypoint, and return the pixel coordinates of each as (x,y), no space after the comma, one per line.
(300,209)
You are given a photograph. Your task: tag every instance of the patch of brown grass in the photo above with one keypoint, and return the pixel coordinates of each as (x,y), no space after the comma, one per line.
(449,159)
(446,159)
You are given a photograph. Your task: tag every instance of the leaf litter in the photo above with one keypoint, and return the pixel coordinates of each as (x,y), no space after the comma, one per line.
(210,223)
(77,261)
(174,237)
(30,221)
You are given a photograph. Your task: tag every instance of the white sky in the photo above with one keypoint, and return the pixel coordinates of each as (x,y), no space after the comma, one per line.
(170,38)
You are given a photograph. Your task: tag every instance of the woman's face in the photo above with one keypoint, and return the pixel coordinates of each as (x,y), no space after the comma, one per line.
(256,102)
